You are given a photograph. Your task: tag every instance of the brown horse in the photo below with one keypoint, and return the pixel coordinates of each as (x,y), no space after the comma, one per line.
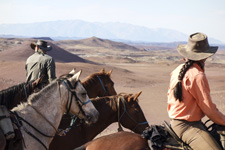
(99,84)
(158,136)
(122,108)
(117,141)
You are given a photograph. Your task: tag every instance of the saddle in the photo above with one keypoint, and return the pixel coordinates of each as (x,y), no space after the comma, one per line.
(156,136)
(163,136)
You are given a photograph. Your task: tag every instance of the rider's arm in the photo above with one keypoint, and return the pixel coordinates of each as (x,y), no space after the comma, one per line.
(201,91)
(51,70)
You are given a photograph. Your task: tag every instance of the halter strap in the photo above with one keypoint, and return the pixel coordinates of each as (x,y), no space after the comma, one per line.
(70,88)
(73,93)
(125,111)
(102,85)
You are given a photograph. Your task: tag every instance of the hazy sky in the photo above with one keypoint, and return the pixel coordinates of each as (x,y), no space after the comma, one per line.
(187,16)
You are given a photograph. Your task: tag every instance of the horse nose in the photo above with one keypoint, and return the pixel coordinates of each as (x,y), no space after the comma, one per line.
(92,118)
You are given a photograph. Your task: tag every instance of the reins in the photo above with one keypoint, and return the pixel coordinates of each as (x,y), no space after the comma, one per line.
(44,119)
(29,133)
(125,111)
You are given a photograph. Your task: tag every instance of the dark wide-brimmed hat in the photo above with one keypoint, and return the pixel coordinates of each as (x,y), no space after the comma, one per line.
(42,45)
(197,47)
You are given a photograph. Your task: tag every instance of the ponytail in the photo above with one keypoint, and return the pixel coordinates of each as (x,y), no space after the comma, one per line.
(177,91)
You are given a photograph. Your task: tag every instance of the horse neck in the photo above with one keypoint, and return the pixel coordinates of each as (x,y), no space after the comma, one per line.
(92,87)
(50,106)
(12,96)
(108,115)
(23,94)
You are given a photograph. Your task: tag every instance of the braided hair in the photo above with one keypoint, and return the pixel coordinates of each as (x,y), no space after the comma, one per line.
(177,91)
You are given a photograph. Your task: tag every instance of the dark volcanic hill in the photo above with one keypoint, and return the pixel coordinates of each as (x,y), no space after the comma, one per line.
(20,51)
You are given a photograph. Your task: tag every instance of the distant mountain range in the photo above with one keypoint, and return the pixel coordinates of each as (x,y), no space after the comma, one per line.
(77,29)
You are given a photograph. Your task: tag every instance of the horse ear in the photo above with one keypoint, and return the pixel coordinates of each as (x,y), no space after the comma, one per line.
(110,72)
(102,70)
(73,71)
(77,75)
(137,95)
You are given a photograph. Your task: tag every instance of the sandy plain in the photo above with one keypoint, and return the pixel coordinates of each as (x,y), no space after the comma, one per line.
(150,77)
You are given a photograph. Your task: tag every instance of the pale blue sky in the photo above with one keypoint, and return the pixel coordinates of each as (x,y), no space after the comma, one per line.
(187,16)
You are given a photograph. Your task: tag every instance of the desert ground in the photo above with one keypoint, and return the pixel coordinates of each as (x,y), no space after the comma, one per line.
(148,72)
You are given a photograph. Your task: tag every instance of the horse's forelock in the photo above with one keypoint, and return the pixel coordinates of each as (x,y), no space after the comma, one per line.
(65,76)
(113,102)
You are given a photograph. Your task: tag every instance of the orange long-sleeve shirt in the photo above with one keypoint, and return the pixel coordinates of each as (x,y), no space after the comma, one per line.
(196,102)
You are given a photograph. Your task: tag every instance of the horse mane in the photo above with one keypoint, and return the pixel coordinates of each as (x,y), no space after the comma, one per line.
(112,100)
(58,81)
(90,79)
(7,95)
(35,96)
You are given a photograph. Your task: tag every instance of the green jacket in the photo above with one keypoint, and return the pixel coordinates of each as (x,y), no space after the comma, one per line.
(38,65)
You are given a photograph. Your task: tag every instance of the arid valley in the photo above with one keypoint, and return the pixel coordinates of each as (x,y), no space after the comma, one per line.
(135,68)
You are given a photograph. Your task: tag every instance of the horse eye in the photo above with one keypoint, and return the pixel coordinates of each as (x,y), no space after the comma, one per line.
(137,110)
(84,94)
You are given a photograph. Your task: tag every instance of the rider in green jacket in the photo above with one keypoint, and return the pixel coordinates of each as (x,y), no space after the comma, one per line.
(40,64)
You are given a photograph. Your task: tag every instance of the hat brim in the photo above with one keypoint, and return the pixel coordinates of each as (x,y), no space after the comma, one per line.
(182,49)
(33,45)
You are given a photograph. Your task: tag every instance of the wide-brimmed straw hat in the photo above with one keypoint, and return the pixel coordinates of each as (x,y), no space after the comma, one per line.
(197,47)
(42,45)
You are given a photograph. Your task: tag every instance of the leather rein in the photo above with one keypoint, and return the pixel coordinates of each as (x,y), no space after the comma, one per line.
(70,89)
(125,111)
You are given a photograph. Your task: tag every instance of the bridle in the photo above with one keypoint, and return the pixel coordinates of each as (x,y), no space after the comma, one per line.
(70,89)
(121,98)
(104,88)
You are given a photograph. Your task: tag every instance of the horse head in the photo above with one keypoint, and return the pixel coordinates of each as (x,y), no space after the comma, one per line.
(80,105)
(107,83)
(130,114)
(99,84)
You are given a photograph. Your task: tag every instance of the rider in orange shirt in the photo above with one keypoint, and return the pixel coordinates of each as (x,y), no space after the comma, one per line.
(189,97)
